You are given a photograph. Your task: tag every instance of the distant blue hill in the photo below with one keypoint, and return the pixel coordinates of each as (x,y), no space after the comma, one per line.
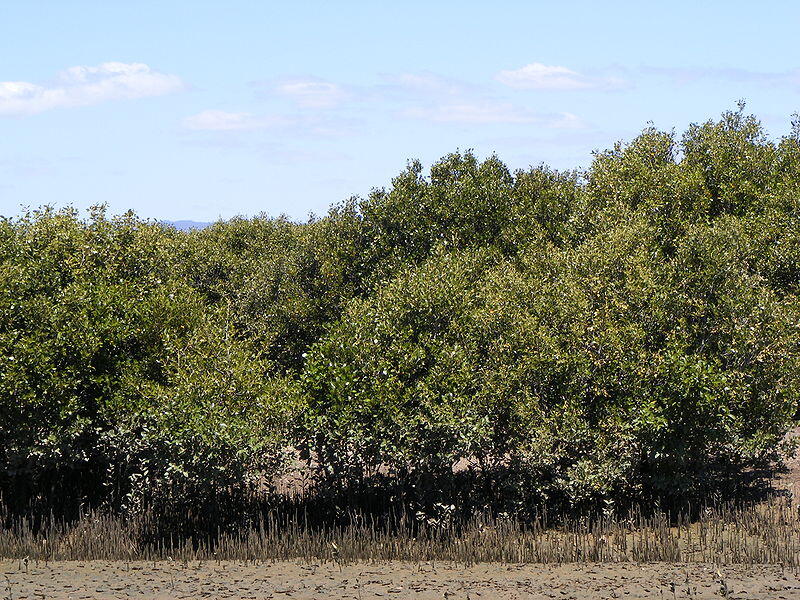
(186,225)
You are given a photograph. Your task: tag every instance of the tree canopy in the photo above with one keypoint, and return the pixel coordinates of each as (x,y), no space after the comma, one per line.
(627,332)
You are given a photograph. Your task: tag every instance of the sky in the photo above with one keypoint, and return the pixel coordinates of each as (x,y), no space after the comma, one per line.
(204,110)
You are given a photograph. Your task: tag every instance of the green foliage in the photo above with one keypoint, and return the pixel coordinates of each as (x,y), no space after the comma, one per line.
(391,385)
(599,372)
(572,338)
(636,337)
(99,338)
(205,437)
(735,160)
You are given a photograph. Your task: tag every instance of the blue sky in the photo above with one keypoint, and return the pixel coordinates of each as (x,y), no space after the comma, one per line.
(201,110)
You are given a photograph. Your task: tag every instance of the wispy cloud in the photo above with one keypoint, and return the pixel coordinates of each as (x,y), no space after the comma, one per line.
(438,99)
(274,149)
(220,120)
(326,109)
(297,125)
(312,93)
(568,121)
(28,166)
(422,84)
(316,93)
(538,76)
(84,86)
(472,113)
(488,113)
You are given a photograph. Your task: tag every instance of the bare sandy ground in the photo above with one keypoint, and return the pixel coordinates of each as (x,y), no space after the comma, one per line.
(99,580)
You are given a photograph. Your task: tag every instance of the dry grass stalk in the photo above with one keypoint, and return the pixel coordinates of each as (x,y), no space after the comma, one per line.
(764,533)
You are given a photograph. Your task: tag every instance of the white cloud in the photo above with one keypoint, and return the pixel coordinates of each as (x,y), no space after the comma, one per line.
(538,76)
(85,86)
(312,93)
(568,121)
(220,120)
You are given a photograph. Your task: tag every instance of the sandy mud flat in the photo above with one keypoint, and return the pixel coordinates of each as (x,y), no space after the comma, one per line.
(100,579)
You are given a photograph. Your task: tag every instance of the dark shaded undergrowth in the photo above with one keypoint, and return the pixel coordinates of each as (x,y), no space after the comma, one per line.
(729,533)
